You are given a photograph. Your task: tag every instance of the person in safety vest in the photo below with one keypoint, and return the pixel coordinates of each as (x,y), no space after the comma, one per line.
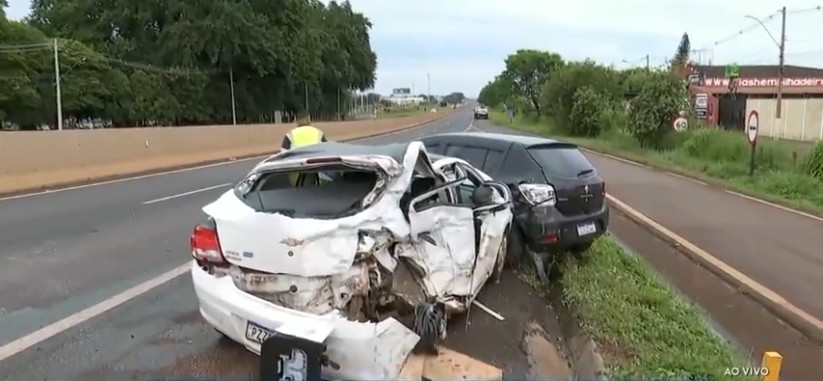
(303,135)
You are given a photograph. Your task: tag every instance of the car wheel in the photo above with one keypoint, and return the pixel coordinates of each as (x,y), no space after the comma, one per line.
(516,247)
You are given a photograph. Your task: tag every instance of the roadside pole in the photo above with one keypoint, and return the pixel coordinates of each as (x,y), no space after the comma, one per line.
(752,126)
(57,91)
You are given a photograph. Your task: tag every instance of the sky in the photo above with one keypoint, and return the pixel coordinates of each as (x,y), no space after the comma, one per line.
(459,45)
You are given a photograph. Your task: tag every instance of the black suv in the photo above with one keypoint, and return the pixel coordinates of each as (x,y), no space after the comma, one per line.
(559,198)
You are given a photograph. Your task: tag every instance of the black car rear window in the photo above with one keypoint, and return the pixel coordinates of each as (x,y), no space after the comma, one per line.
(562,160)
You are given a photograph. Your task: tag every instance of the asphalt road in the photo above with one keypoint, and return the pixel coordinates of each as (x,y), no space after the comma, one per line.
(66,251)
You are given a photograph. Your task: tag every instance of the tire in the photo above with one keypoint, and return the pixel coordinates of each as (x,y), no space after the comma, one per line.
(516,247)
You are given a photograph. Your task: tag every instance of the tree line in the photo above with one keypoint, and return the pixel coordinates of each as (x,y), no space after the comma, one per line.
(174,62)
(585,98)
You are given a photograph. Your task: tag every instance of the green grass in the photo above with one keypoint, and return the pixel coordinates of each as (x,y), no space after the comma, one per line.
(718,157)
(644,328)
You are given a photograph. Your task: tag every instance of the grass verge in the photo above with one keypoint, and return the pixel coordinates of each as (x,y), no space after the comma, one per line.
(718,157)
(644,328)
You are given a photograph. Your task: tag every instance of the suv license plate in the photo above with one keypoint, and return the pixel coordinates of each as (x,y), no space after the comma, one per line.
(257,333)
(586,229)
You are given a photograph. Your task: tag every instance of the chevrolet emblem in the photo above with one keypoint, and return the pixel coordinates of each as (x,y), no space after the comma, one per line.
(291,242)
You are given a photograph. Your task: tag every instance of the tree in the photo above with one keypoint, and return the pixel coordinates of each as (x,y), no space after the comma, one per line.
(172,62)
(454,98)
(681,56)
(496,92)
(528,70)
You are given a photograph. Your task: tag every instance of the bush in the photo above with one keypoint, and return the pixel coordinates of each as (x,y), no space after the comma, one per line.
(589,113)
(558,93)
(814,162)
(715,145)
(660,98)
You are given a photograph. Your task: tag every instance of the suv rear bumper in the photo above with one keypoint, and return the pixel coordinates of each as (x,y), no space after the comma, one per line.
(481,116)
(546,229)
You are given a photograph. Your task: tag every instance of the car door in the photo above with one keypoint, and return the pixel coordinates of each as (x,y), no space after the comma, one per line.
(491,220)
(443,235)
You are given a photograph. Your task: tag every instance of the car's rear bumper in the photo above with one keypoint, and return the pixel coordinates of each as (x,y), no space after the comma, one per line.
(481,116)
(364,351)
(546,229)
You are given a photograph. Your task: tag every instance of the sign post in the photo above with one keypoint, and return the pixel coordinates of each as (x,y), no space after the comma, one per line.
(752,126)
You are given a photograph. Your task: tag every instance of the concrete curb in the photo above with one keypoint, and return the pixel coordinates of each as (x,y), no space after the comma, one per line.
(805,327)
(708,181)
(173,167)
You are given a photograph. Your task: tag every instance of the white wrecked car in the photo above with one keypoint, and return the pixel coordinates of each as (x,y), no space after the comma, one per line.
(331,244)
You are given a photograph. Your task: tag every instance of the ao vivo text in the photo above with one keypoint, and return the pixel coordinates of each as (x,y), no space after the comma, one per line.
(747,371)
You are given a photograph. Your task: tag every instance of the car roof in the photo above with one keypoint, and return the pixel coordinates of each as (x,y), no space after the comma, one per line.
(396,150)
(524,140)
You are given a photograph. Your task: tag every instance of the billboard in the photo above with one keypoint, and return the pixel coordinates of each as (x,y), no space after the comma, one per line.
(401,91)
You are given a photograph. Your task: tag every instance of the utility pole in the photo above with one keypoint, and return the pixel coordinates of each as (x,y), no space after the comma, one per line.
(428,87)
(648,66)
(58,94)
(233,102)
(782,62)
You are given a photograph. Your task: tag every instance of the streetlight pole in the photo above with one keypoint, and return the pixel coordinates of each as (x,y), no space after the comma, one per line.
(57,91)
(781,46)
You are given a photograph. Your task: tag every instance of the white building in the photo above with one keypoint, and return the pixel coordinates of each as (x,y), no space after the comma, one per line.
(403,97)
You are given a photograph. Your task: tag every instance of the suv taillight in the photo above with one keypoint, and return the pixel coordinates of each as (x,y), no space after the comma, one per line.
(205,246)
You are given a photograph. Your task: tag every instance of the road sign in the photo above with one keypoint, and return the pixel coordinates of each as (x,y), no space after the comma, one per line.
(752,125)
(680,124)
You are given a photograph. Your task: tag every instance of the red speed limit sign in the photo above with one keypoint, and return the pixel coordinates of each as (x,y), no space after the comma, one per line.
(680,124)
(752,126)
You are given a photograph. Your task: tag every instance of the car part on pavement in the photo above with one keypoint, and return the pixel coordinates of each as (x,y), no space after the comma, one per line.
(335,244)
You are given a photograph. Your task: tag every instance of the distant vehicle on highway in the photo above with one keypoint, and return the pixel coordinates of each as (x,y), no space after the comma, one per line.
(559,197)
(481,112)
(316,250)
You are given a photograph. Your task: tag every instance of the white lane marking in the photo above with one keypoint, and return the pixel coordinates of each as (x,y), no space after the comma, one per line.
(187,169)
(687,178)
(778,206)
(185,194)
(754,285)
(36,337)
(488,310)
(45,192)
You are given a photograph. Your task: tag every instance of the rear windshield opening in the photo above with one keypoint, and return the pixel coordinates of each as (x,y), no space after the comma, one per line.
(562,160)
(327,192)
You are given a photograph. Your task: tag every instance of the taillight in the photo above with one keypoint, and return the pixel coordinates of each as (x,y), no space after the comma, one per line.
(205,246)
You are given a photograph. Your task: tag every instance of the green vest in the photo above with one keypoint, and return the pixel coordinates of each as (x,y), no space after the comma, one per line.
(304,136)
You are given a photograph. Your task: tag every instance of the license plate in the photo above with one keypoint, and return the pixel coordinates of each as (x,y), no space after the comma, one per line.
(257,333)
(586,229)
